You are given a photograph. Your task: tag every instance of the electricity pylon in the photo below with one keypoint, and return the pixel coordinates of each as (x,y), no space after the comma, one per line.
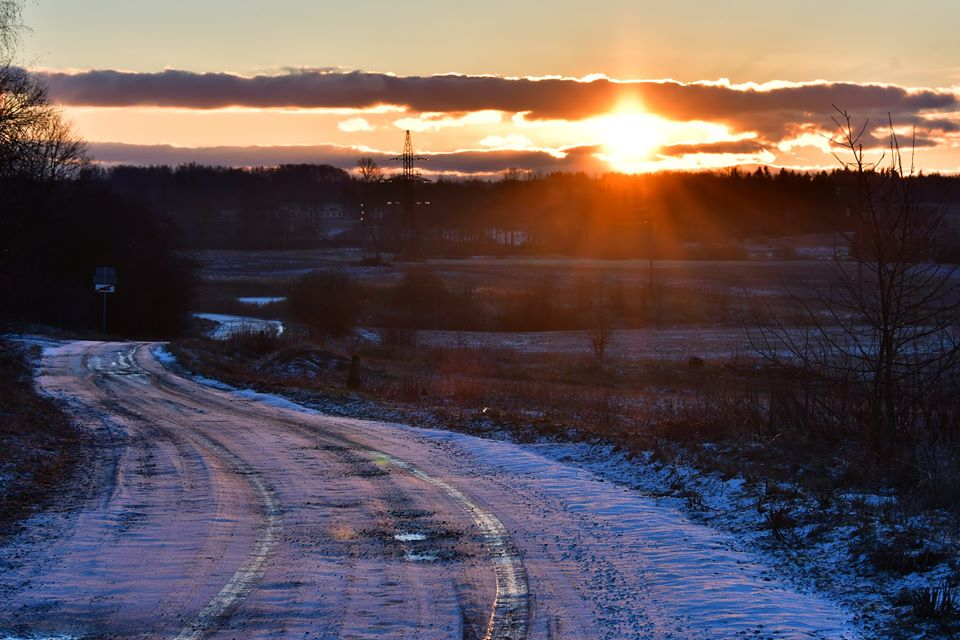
(408,177)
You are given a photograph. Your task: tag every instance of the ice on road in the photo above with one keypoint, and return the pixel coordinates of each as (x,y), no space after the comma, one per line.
(212,512)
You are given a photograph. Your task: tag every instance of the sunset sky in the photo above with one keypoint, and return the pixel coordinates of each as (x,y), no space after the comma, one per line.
(594,86)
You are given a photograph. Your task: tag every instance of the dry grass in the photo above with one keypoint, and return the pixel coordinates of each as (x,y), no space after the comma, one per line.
(39,448)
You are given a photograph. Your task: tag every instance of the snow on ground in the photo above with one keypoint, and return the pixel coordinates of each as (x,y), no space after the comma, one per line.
(700,579)
(38,637)
(681,579)
(830,564)
(228,325)
(829,561)
(261,301)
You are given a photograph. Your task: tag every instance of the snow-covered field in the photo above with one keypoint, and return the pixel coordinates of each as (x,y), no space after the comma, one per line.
(229,325)
(225,513)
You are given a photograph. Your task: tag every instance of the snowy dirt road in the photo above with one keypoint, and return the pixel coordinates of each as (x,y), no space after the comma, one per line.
(217,513)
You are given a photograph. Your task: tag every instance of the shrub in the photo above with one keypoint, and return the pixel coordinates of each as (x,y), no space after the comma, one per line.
(256,339)
(327,302)
(935,603)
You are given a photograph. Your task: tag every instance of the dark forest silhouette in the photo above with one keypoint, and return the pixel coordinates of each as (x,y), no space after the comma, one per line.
(615,215)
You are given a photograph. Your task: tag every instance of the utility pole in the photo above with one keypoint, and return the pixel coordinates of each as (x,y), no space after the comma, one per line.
(363,231)
(408,177)
(642,219)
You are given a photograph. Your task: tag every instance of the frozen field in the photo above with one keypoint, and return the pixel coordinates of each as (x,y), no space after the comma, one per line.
(757,277)
(670,343)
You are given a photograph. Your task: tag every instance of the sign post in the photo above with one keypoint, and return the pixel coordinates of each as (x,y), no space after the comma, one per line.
(104,282)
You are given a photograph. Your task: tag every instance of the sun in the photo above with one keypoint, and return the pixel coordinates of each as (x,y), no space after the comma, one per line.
(628,139)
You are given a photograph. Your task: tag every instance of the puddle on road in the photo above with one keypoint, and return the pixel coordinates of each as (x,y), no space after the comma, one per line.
(420,556)
(409,537)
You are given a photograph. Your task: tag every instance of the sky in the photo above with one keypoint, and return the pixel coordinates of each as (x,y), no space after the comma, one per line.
(598,86)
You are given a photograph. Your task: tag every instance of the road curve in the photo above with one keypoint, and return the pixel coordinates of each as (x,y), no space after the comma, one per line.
(211,513)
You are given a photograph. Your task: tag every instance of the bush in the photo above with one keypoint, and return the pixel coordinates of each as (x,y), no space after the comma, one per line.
(253,338)
(327,302)
(935,603)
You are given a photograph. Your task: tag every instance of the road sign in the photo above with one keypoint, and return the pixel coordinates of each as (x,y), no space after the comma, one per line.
(105,280)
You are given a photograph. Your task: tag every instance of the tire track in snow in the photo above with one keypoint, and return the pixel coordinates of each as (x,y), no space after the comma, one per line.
(510,613)
(241,583)
(509,617)
(267,536)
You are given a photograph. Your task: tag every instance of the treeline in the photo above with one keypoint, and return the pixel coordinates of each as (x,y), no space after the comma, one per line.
(667,214)
(628,216)
(285,207)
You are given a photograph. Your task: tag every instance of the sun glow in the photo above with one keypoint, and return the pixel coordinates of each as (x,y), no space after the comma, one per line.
(629,138)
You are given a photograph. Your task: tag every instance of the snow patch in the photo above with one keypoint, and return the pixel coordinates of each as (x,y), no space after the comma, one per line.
(163,355)
(230,325)
(261,301)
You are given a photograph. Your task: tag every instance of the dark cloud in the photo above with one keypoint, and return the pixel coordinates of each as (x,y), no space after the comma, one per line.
(466,162)
(769,111)
(324,88)
(913,140)
(733,146)
(939,125)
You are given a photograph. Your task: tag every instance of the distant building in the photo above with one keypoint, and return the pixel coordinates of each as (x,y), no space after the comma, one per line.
(323,210)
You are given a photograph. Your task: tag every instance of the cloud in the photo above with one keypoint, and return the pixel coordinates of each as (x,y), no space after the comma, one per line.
(354,125)
(509,141)
(470,161)
(941,125)
(434,121)
(768,109)
(725,147)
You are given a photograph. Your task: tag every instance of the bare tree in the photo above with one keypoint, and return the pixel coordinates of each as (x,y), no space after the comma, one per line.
(887,324)
(52,152)
(11,25)
(370,171)
(370,174)
(35,141)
